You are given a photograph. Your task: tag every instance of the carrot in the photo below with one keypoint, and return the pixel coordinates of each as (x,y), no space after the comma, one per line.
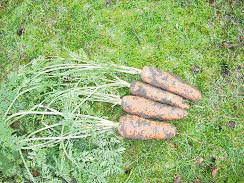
(134,127)
(170,83)
(156,94)
(147,108)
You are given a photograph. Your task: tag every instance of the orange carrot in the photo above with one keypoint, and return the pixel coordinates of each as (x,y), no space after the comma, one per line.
(147,108)
(156,94)
(170,83)
(134,127)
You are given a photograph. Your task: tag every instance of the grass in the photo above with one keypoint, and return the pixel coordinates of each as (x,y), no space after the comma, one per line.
(198,40)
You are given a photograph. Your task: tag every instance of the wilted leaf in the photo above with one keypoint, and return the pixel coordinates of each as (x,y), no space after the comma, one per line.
(231,124)
(196,69)
(196,181)
(35,173)
(177,179)
(215,171)
(199,161)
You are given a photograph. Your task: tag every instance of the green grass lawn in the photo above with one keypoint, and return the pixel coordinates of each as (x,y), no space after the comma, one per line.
(201,41)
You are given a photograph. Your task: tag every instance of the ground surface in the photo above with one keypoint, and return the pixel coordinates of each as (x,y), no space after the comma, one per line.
(200,41)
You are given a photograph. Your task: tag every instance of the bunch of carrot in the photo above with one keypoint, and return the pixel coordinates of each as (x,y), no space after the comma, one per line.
(159,96)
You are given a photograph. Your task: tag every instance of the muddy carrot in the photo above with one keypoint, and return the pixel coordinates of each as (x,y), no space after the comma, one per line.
(170,83)
(156,94)
(147,108)
(134,127)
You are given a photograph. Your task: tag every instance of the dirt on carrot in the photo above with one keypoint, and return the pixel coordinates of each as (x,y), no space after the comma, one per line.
(169,83)
(134,127)
(147,108)
(156,94)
